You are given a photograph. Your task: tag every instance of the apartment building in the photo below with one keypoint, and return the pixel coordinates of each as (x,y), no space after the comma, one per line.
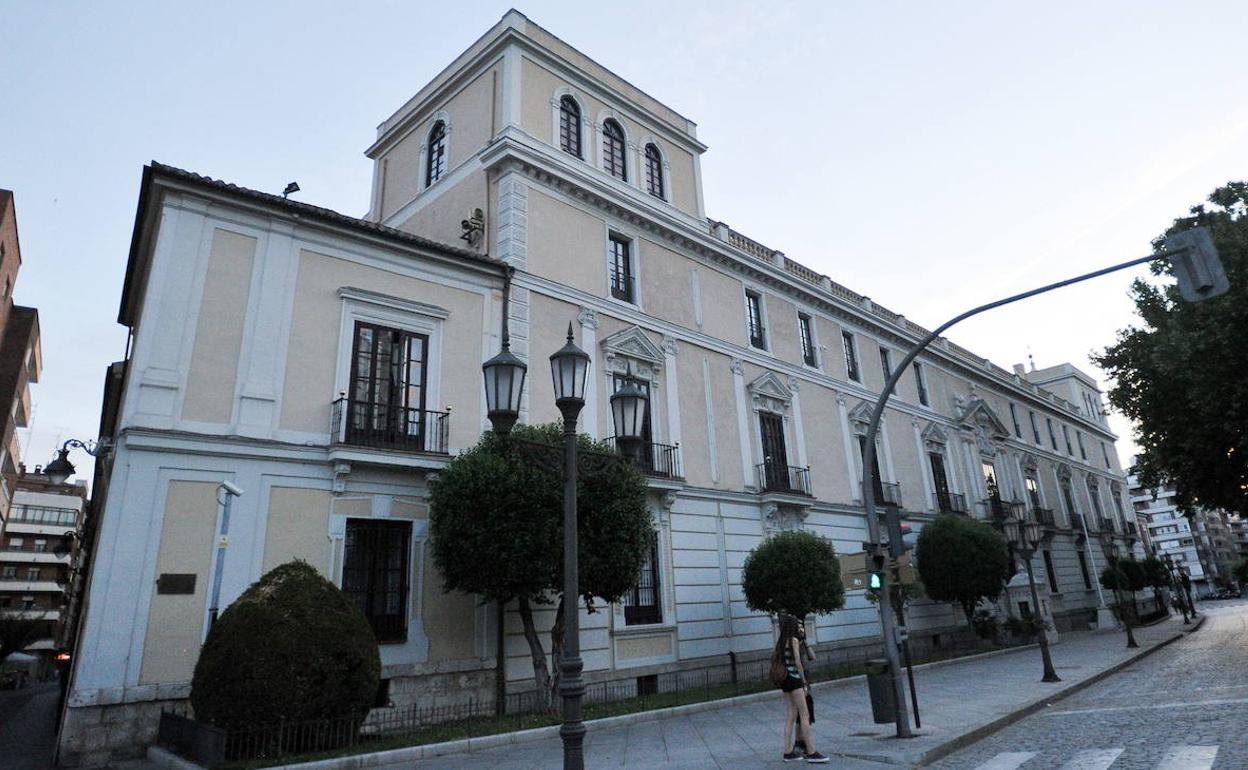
(38,556)
(327,366)
(20,354)
(1204,543)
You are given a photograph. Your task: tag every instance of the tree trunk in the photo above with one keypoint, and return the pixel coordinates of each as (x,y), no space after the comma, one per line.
(556,650)
(541,675)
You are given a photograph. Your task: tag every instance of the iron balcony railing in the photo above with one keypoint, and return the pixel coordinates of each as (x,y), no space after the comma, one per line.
(1132,529)
(1000,510)
(1107,524)
(655,459)
(1076,522)
(774,477)
(389,426)
(951,502)
(888,494)
(1045,517)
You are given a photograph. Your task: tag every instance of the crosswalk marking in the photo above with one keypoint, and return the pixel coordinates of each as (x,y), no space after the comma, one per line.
(1189,758)
(1007,761)
(1092,759)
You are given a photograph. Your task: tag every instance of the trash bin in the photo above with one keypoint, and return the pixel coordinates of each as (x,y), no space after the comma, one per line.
(880,686)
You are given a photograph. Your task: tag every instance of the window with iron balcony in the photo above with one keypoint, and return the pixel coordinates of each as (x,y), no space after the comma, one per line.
(621,254)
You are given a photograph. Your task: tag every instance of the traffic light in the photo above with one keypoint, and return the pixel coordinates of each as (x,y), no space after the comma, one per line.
(875,581)
(900,536)
(1196,265)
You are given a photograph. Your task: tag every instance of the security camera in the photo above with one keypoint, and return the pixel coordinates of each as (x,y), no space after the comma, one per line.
(232,489)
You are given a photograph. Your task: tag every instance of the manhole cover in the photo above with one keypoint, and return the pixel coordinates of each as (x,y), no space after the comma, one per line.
(862,735)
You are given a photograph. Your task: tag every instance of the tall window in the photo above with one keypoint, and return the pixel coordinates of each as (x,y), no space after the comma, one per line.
(654,172)
(643,604)
(920,382)
(1067,497)
(1105,455)
(435,161)
(621,269)
(1052,434)
(1083,453)
(1035,427)
(808,339)
(1033,490)
(41,545)
(387,395)
(775,457)
(851,357)
(1018,429)
(613,150)
(1094,494)
(570,126)
(941,481)
(1050,572)
(1066,437)
(1083,570)
(754,319)
(886,362)
(375,574)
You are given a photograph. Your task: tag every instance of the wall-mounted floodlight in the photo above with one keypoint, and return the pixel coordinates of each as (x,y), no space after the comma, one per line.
(293,187)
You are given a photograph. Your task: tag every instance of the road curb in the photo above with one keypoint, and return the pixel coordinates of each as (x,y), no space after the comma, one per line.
(981,732)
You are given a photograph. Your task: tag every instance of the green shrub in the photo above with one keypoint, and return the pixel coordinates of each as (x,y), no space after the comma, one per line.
(291,648)
(793,572)
(962,560)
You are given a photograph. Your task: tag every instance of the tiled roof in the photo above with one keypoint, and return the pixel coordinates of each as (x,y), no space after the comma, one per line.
(326,215)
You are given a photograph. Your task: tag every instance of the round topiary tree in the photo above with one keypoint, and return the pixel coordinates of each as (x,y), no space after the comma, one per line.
(795,573)
(292,648)
(962,560)
(1155,577)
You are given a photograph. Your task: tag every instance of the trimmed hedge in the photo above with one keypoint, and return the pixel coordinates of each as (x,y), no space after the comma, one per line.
(292,648)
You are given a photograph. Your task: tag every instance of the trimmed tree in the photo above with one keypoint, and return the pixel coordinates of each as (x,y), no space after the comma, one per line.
(1155,577)
(1124,575)
(962,560)
(292,648)
(795,573)
(496,529)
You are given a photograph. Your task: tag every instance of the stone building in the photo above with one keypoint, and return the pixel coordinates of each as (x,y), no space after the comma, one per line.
(327,365)
(1204,543)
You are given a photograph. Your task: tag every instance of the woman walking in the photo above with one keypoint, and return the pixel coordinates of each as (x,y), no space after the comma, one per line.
(788,654)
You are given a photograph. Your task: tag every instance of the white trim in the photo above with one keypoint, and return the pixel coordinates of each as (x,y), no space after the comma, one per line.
(665,169)
(849,347)
(743,425)
(747,289)
(711,440)
(633,239)
(600,158)
(423,182)
(799,434)
(800,312)
(556,120)
(925,469)
(672,390)
(695,284)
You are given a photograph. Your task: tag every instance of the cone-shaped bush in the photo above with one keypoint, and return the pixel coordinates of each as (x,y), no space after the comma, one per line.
(293,647)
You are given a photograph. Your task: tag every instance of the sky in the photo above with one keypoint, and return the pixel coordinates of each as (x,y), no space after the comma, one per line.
(933,156)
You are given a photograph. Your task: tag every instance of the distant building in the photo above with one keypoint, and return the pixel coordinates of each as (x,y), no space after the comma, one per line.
(1239,534)
(1203,543)
(38,553)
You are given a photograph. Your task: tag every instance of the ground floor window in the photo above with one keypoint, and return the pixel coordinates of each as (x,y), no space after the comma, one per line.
(375,573)
(1083,568)
(644,605)
(1050,572)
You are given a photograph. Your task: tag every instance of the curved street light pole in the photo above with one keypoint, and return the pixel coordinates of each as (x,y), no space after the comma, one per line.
(887,627)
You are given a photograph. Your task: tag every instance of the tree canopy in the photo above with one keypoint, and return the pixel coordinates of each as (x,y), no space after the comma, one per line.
(1124,575)
(496,525)
(1179,375)
(795,573)
(962,560)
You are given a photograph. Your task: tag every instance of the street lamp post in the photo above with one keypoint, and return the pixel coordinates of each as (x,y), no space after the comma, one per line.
(1025,537)
(1174,584)
(1186,578)
(1112,553)
(504,385)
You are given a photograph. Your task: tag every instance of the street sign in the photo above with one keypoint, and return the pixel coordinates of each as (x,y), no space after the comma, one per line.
(854,571)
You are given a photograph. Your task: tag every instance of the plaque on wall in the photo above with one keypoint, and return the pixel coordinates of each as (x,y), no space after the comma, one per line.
(175,583)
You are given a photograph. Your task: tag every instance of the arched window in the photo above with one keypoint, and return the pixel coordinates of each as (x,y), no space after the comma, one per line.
(570,126)
(654,172)
(613,150)
(435,162)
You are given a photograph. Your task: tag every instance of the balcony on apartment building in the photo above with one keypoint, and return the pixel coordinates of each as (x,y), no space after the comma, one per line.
(40,520)
(657,460)
(1000,509)
(1045,517)
(11,555)
(1107,525)
(774,477)
(390,433)
(951,502)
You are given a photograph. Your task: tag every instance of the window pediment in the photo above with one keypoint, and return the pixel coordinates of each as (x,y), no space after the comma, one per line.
(935,437)
(770,393)
(630,351)
(1063,472)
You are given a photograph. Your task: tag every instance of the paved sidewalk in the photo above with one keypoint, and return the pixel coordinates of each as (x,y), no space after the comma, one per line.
(27,722)
(956,699)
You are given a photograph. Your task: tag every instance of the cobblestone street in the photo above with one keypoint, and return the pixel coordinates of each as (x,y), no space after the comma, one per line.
(1183,708)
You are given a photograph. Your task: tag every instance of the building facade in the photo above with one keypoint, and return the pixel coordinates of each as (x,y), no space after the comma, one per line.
(1204,543)
(21,357)
(327,366)
(38,556)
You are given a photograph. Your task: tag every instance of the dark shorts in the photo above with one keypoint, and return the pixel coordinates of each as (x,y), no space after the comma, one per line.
(791,684)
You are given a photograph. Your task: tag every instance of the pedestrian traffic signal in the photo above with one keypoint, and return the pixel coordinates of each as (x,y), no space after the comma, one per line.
(876,581)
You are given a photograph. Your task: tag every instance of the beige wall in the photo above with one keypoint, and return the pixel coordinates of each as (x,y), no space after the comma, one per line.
(666,285)
(298,528)
(536,118)
(548,331)
(723,306)
(313,354)
(447,618)
(825,446)
(566,244)
(440,220)
(219,332)
(175,623)
(472,117)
